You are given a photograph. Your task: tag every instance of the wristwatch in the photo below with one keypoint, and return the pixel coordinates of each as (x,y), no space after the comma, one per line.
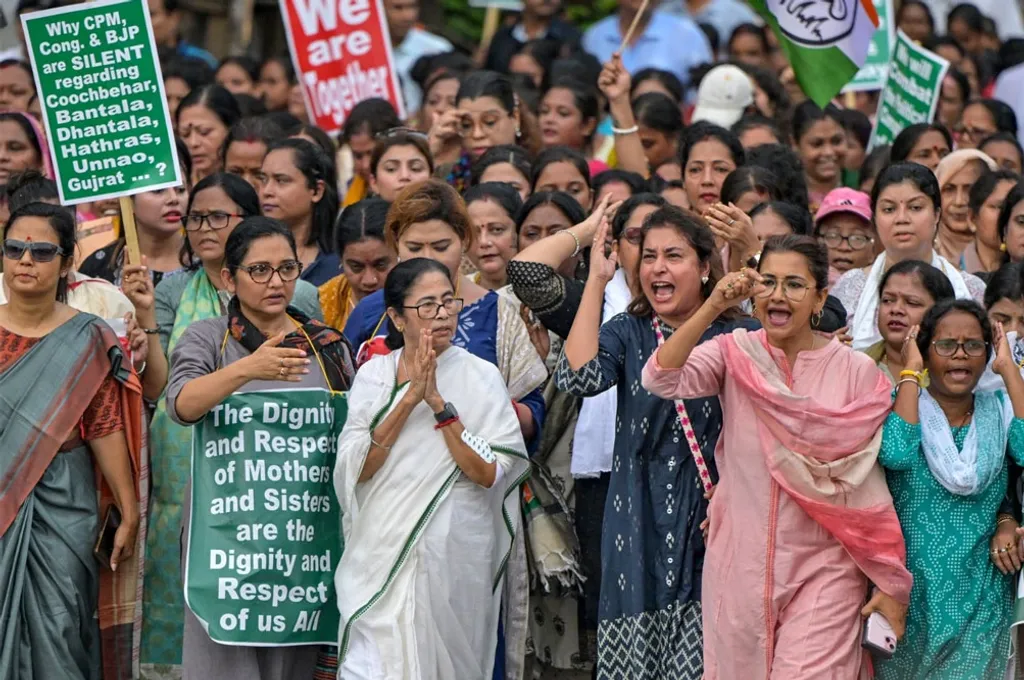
(447,413)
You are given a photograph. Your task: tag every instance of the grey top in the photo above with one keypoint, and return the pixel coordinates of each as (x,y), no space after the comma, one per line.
(198,353)
(170,289)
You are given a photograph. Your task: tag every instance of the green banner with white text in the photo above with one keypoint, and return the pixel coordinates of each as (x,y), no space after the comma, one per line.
(102,98)
(911,90)
(265,536)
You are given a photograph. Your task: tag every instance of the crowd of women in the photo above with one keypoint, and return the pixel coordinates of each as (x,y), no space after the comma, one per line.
(630,394)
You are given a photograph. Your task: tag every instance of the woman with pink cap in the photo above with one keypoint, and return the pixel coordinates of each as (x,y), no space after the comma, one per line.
(844,225)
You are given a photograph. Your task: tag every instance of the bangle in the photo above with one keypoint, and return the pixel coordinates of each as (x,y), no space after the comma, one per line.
(916,382)
(916,375)
(576,250)
(149,331)
(1005,518)
(626,131)
(142,370)
(445,423)
(376,443)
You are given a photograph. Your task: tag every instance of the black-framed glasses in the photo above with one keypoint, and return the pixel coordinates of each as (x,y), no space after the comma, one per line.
(834,239)
(40,252)
(949,347)
(793,288)
(262,272)
(429,311)
(217,220)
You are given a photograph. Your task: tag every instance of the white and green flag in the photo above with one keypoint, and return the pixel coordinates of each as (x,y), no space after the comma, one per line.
(826,41)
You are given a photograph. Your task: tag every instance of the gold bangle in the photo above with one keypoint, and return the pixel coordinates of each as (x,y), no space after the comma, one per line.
(1005,518)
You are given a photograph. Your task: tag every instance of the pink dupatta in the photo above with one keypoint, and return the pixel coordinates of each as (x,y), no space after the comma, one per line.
(826,459)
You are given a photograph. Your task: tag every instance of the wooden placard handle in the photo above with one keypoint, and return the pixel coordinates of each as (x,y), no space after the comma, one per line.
(131,237)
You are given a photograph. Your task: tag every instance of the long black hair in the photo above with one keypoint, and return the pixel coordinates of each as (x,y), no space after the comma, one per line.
(360,221)
(397,285)
(217,100)
(798,219)
(907,139)
(916,174)
(934,281)
(316,166)
(516,156)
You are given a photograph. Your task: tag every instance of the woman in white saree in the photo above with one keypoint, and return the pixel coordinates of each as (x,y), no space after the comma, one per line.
(428,464)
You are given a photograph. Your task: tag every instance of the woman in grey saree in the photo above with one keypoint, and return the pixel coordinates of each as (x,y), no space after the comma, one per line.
(70,412)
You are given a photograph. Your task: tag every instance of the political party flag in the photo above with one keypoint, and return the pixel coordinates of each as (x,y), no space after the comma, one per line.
(826,41)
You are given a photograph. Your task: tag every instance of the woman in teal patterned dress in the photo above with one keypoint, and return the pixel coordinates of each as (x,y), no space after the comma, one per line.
(944,449)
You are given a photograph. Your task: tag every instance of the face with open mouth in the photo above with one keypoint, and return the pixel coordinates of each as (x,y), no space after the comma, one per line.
(958,374)
(670,273)
(840,232)
(789,298)
(902,305)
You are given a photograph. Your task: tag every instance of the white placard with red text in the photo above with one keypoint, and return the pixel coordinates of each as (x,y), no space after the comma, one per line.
(341,50)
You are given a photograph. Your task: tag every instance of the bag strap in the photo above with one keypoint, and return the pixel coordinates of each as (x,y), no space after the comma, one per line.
(684,421)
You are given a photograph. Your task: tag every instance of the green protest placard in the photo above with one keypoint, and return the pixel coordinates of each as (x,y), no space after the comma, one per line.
(873,73)
(102,98)
(265,535)
(911,90)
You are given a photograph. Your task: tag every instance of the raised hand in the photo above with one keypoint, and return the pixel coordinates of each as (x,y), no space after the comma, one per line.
(444,130)
(138,287)
(912,360)
(271,362)
(735,287)
(602,266)
(1004,356)
(614,79)
(733,226)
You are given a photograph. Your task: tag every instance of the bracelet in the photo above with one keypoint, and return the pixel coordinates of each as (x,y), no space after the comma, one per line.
(142,370)
(1005,518)
(916,375)
(445,423)
(575,251)
(376,443)
(149,331)
(626,131)
(916,382)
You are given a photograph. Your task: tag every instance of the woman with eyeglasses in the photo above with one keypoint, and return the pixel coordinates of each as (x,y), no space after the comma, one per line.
(71,426)
(217,206)
(844,224)
(262,343)
(652,548)
(906,204)
(945,448)
(794,502)
(429,463)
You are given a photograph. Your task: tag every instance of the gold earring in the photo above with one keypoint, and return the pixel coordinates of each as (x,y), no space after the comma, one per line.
(1002,247)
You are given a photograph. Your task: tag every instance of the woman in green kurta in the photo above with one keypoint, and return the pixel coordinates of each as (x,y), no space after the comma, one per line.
(944,450)
(217,205)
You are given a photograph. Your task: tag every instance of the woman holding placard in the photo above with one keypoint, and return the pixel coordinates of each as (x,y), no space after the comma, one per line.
(427,492)
(223,365)
(216,207)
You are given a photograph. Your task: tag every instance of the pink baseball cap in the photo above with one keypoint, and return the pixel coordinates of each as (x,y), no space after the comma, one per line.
(843,200)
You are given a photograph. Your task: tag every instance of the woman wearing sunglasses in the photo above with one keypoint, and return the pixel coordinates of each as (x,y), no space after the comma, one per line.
(71,406)
(945,450)
(217,205)
(217,359)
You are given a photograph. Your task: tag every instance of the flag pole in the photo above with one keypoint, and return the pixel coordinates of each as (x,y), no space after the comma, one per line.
(632,26)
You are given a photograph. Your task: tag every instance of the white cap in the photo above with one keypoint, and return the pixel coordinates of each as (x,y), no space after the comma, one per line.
(724,94)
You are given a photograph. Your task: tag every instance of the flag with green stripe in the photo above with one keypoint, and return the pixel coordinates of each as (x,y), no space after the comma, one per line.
(826,41)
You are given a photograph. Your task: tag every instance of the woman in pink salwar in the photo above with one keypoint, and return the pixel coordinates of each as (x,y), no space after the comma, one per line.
(801,521)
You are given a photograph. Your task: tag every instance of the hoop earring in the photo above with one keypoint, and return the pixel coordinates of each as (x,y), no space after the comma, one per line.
(815,320)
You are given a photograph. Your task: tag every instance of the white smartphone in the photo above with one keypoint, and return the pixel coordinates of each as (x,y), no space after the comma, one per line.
(879,636)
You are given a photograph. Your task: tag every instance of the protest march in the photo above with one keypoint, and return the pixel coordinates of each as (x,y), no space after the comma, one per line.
(512,340)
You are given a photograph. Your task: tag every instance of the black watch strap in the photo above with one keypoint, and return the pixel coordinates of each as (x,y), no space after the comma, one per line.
(447,413)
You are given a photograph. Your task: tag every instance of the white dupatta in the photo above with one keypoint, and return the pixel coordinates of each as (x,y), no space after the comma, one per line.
(425,549)
(865,319)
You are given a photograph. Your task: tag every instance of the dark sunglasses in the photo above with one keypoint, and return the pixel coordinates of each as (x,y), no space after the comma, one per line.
(41,252)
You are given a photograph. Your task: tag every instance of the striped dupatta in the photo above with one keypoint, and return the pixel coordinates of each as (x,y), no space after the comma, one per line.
(65,371)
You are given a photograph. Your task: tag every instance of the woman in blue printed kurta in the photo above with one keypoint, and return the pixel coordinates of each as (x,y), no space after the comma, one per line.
(652,548)
(960,605)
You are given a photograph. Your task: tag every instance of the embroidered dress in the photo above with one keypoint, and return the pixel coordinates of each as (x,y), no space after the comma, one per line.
(961,605)
(652,549)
